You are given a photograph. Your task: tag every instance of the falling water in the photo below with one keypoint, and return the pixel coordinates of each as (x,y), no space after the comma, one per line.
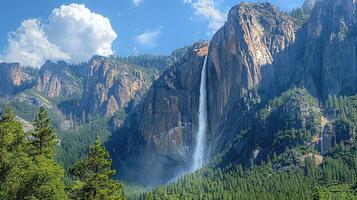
(322,139)
(199,153)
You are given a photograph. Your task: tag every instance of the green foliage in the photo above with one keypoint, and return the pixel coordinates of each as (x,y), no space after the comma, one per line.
(134,191)
(43,179)
(296,108)
(333,179)
(43,138)
(93,175)
(25,175)
(75,144)
(344,110)
(289,139)
(257,183)
(146,61)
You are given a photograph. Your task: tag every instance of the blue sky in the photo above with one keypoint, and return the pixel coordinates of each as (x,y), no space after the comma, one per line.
(134,27)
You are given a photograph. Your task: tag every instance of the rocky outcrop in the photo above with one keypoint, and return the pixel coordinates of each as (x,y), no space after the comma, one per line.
(58,80)
(13,79)
(110,85)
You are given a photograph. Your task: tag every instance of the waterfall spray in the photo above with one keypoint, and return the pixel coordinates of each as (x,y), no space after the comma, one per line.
(200,148)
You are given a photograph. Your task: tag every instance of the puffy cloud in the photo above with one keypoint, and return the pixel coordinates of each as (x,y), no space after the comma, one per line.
(148,39)
(29,45)
(72,33)
(209,10)
(137,2)
(80,32)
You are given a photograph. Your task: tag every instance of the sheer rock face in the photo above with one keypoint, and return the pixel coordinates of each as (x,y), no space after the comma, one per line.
(167,121)
(329,49)
(57,80)
(109,86)
(239,54)
(248,64)
(13,79)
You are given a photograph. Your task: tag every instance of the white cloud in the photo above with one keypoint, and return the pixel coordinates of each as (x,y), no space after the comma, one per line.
(29,45)
(72,33)
(209,10)
(80,32)
(138,2)
(148,39)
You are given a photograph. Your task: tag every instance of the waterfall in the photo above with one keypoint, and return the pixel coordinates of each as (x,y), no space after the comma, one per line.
(200,148)
(322,139)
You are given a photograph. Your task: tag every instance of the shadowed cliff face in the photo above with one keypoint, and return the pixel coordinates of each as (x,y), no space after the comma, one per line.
(161,141)
(329,63)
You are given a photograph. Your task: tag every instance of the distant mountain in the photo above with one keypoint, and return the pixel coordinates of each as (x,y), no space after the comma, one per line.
(100,87)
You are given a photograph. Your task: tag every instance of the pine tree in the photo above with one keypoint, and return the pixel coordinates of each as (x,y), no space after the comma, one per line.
(43,137)
(12,154)
(25,176)
(44,179)
(12,135)
(94,175)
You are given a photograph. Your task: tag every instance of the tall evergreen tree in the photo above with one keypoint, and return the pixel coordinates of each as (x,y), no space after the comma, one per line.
(12,154)
(43,137)
(24,175)
(12,135)
(94,175)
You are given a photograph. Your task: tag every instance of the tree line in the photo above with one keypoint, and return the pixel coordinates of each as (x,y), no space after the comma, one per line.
(29,170)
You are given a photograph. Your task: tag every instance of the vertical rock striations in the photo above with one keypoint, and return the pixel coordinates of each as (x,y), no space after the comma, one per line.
(329,53)
(58,80)
(240,52)
(110,85)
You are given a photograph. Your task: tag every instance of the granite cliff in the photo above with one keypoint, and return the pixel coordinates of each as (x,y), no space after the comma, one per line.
(258,55)
(58,80)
